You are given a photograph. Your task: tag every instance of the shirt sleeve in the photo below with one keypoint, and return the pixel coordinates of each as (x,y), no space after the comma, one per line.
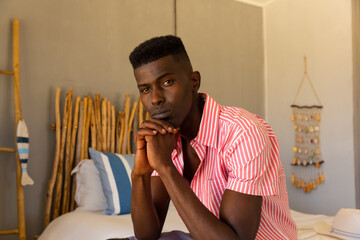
(253,163)
(154,173)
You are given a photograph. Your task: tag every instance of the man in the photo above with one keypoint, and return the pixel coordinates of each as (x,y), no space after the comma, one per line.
(219,165)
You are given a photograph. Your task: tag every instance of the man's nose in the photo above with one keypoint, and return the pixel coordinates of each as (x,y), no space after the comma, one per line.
(157,96)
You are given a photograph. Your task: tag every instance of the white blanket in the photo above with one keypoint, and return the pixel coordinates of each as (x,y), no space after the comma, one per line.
(79,224)
(305,223)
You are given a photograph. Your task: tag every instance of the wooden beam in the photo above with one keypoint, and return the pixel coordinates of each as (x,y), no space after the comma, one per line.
(2,149)
(17,104)
(8,232)
(6,72)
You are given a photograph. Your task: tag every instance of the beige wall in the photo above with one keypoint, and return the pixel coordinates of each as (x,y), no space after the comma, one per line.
(225,43)
(85,45)
(321,30)
(356,91)
(79,44)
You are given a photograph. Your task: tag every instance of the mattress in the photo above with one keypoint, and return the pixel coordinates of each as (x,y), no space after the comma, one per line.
(94,225)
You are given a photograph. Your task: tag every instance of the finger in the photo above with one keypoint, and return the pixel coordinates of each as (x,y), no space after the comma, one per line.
(159,137)
(159,127)
(152,125)
(166,125)
(142,132)
(160,124)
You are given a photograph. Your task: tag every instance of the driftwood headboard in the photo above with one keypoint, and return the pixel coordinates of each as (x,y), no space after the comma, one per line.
(85,123)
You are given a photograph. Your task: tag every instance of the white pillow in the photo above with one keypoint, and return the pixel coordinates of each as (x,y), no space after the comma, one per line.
(89,194)
(115,177)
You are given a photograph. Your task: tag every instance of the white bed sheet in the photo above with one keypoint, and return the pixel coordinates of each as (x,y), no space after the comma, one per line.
(305,223)
(79,225)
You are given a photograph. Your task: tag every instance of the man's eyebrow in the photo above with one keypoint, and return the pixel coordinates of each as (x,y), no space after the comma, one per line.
(158,78)
(161,76)
(141,85)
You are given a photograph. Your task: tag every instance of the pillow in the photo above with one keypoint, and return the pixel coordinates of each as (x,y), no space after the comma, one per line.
(89,194)
(115,173)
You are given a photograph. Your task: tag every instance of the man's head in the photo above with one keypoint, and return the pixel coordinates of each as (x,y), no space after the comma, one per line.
(167,84)
(156,48)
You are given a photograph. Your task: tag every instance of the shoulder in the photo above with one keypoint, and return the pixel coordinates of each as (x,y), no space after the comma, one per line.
(238,126)
(242,120)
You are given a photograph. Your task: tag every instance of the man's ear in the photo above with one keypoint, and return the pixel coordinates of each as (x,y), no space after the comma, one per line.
(196,79)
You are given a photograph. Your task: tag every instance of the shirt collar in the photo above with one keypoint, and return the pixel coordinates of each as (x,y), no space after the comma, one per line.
(208,129)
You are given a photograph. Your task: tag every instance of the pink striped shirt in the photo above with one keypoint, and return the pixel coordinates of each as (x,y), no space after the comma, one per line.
(239,151)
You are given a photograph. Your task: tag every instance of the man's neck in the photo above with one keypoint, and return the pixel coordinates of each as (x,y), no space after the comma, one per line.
(190,127)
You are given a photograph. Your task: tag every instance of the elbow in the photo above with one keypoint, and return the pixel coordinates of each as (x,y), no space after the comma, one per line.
(147,237)
(146,232)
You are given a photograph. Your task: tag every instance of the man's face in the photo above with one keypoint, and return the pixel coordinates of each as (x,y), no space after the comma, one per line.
(166,89)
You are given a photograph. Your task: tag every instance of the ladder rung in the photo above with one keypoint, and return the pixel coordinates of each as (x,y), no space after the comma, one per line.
(6,72)
(7,149)
(8,232)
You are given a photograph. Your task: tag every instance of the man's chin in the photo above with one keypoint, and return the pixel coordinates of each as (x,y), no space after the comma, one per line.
(172,122)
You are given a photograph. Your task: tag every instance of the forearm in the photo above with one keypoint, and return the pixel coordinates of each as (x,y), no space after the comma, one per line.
(143,213)
(201,223)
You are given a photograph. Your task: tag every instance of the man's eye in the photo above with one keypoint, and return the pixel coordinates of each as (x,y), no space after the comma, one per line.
(167,82)
(144,90)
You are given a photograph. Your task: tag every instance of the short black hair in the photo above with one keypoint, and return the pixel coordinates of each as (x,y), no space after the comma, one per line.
(156,48)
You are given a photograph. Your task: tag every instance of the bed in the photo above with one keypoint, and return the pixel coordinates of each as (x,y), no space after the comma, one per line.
(94,225)
(89,221)
(89,196)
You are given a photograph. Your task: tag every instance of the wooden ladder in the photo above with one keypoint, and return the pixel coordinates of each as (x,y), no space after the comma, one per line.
(21,231)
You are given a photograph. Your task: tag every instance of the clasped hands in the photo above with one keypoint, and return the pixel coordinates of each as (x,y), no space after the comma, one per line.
(155,141)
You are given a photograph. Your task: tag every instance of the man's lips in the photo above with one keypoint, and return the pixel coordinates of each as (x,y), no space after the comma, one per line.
(161,114)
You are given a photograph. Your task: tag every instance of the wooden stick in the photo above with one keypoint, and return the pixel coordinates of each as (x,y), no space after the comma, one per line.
(59,177)
(103,123)
(122,131)
(72,151)
(78,150)
(98,122)
(93,128)
(2,149)
(52,180)
(87,127)
(83,133)
(118,130)
(108,127)
(141,112)
(10,232)
(130,127)
(135,128)
(66,190)
(7,72)
(18,116)
(147,116)
(79,133)
(112,140)
(127,115)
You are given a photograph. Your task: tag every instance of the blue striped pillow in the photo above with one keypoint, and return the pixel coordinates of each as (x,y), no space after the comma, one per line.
(115,173)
